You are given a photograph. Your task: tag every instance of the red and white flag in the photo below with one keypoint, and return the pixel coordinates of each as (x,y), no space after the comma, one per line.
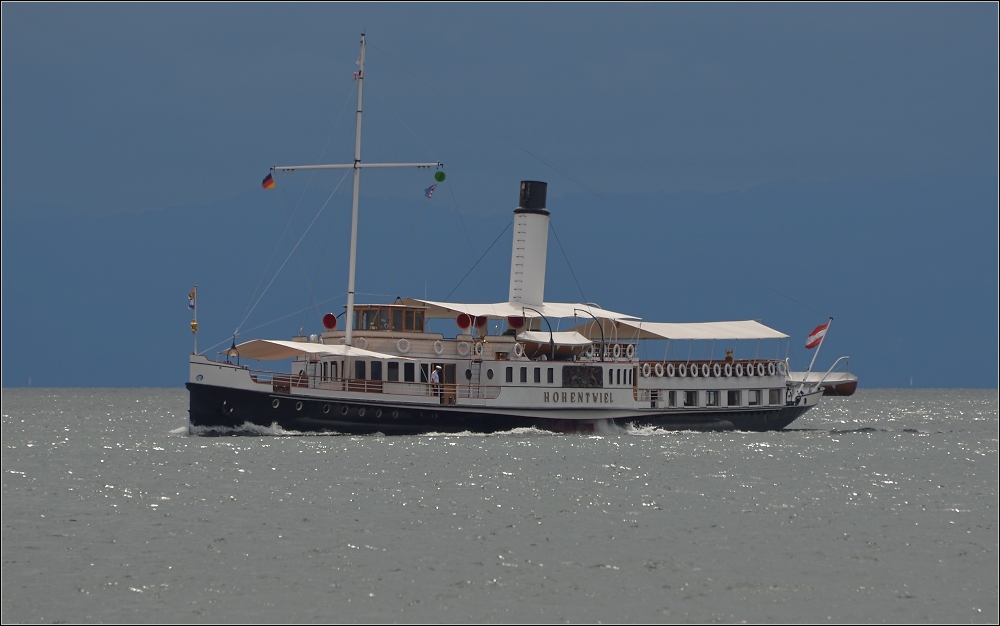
(816,336)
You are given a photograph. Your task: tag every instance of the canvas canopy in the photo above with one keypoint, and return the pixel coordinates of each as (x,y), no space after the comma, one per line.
(273,350)
(631,329)
(564,338)
(501,310)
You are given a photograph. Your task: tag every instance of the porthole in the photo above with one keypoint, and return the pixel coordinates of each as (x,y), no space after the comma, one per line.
(343,410)
(489,374)
(395,414)
(198,377)
(361,412)
(275,403)
(326,408)
(298,406)
(468,374)
(378,412)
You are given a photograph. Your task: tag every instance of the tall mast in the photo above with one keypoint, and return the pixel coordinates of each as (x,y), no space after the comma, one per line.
(349,316)
(356,166)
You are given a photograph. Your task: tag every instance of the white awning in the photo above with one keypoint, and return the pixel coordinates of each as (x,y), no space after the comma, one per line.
(565,338)
(630,329)
(501,310)
(273,350)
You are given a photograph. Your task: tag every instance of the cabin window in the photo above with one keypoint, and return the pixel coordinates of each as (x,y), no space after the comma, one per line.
(538,374)
(393,374)
(324,370)
(690,398)
(619,377)
(359,370)
(397,319)
(774,396)
(383,319)
(354,323)
(468,375)
(551,377)
(376,370)
(489,374)
(424,372)
(409,320)
(754,397)
(418,321)
(510,374)
(671,398)
(408,372)
(711,398)
(733,398)
(524,374)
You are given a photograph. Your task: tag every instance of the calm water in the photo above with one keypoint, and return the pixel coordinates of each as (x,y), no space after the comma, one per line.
(880,507)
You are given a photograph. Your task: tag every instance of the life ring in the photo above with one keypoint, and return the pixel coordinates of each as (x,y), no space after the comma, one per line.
(518,350)
(478,349)
(438,348)
(682,370)
(748,369)
(705,370)
(693,370)
(618,351)
(770,369)
(464,349)
(659,370)
(739,369)
(760,369)
(361,342)
(403,345)
(646,370)
(670,370)
(782,368)
(590,351)
(716,370)
(630,351)
(728,370)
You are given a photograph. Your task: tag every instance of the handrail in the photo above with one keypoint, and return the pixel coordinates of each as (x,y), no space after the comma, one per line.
(829,371)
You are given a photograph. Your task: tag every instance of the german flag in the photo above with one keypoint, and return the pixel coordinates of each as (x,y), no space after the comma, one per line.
(268,182)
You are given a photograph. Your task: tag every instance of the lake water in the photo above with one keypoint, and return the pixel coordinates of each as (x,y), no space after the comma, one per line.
(879,507)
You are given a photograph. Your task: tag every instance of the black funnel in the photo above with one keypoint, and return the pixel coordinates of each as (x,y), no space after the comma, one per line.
(532,197)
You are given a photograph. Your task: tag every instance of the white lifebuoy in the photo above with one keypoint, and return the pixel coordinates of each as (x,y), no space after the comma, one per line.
(728,370)
(618,351)
(590,351)
(342,341)
(782,368)
(518,350)
(760,369)
(464,349)
(659,370)
(716,370)
(748,369)
(478,349)
(630,351)
(403,345)
(739,369)
(705,370)
(438,348)
(693,370)
(770,369)
(670,370)
(361,342)
(646,370)
(682,370)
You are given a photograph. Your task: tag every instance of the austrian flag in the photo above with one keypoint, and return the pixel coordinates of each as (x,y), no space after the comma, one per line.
(816,336)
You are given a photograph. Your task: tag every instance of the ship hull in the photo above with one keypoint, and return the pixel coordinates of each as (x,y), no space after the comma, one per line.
(224,410)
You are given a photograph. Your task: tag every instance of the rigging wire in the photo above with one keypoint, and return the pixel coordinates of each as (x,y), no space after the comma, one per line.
(480,259)
(549,164)
(320,212)
(567,261)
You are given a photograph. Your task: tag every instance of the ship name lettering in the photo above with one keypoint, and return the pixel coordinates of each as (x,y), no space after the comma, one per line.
(580,397)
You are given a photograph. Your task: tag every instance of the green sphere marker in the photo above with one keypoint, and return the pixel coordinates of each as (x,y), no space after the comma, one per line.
(439,176)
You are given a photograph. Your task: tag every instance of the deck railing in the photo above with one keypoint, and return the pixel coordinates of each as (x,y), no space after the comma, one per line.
(283,383)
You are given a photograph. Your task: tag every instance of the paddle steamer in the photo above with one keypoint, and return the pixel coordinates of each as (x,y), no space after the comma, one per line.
(385,372)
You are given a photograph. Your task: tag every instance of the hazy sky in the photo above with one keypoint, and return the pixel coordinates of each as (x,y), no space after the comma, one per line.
(869,128)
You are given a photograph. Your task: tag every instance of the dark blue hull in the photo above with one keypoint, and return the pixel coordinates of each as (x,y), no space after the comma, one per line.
(223,410)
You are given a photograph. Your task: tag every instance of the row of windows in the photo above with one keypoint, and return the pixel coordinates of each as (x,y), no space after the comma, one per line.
(389,319)
(734,397)
(537,375)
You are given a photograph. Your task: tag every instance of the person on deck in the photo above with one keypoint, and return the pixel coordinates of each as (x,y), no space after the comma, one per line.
(436,383)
